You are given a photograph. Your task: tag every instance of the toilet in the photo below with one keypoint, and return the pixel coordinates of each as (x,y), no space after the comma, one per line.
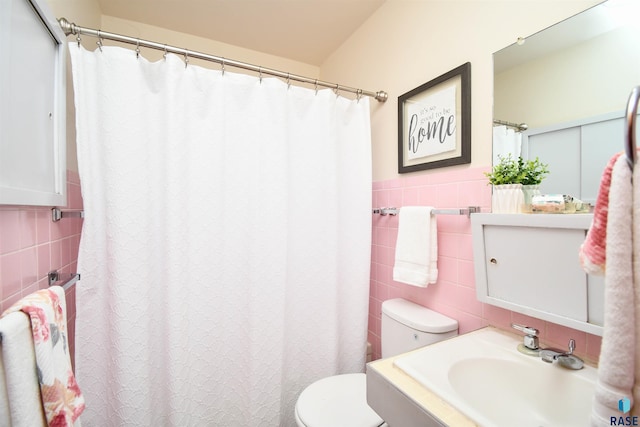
(341,400)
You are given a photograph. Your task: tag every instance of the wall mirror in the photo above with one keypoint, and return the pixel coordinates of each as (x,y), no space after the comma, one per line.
(569,84)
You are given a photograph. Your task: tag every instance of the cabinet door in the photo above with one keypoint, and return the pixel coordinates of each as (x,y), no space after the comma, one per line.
(32,105)
(537,268)
(600,141)
(595,296)
(560,149)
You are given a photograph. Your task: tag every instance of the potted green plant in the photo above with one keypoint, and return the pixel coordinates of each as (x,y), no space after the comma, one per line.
(534,171)
(508,171)
(515,182)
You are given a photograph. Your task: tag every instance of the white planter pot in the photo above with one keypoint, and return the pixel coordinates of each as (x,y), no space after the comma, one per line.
(507,198)
(529,191)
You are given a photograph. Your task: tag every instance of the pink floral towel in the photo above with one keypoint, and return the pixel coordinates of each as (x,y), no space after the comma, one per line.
(61,397)
(593,250)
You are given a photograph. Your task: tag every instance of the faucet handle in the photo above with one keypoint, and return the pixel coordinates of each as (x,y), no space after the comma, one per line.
(531,337)
(566,359)
(526,329)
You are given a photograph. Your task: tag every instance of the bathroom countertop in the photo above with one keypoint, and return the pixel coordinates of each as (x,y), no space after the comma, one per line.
(403,401)
(422,397)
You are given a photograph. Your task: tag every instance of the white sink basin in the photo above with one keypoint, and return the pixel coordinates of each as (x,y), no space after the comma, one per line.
(484,376)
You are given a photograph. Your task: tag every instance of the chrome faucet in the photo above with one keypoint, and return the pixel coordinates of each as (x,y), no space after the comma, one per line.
(566,359)
(531,337)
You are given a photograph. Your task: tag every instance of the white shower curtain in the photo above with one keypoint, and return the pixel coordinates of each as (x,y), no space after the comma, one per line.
(226,242)
(506,142)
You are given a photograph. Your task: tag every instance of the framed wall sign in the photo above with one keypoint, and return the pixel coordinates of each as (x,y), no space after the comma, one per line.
(434,123)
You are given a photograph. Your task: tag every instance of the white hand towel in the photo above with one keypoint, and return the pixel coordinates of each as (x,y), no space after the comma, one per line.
(20,402)
(617,356)
(60,396)
(417,247)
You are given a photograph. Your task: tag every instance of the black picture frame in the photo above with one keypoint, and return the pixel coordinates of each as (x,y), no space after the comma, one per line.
(434,122)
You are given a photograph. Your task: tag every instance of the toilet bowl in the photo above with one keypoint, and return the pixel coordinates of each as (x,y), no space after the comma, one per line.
(341,400)
(338,401)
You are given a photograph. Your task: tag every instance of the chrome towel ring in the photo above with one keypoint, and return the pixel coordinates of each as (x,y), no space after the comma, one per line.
(630,126)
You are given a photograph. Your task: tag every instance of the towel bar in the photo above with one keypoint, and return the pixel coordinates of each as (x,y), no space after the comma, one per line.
(458,211)
(385,211)
(57,214)
(64,280)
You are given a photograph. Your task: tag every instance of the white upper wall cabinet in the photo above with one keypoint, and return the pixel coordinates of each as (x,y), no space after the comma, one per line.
(32,105)
(530,264)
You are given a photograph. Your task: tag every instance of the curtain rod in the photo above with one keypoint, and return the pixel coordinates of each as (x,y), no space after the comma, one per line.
(73,29)
(521,127)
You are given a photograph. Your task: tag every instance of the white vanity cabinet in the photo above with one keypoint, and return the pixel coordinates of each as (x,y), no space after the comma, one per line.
(529,263)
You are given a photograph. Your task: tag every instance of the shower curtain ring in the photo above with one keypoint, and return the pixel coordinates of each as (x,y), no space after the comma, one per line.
(138,48)
(337,90)
(358,95)
(316,86)
(260,74)
(288,80)
(164,55)
(186,58)
(99,42)
(223,66)
(78,39)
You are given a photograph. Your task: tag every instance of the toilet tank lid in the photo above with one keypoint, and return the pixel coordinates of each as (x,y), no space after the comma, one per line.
(418,317)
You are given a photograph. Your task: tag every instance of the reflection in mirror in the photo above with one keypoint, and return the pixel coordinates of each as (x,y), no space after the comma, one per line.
(569,84)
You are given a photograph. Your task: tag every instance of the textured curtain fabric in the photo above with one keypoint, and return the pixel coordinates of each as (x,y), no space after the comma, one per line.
(506,142)
(226,242)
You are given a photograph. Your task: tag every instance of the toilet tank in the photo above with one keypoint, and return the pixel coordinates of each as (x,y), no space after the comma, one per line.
(407,326)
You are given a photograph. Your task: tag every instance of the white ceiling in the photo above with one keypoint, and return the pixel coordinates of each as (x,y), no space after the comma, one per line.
(303,30)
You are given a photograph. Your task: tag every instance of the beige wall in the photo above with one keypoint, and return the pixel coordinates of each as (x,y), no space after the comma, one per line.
(199,44)
(409,42)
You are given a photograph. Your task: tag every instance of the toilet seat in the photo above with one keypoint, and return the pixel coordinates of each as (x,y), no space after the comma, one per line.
(338,401)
